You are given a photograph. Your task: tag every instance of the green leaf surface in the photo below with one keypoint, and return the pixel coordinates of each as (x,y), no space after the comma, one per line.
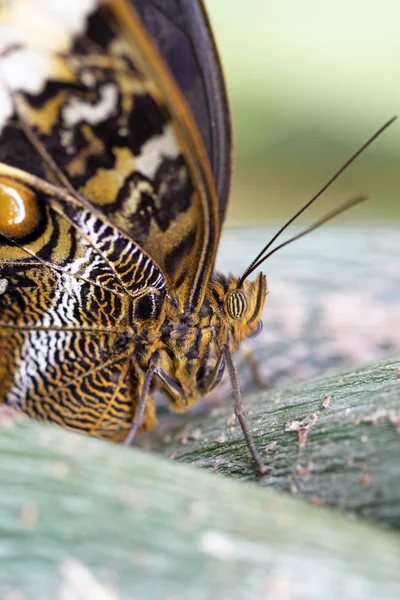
(81,518)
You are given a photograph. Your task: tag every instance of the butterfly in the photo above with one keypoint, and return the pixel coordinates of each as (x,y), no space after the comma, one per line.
(115,165)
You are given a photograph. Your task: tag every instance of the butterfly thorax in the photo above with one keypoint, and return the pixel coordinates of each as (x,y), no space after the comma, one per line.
(188,346)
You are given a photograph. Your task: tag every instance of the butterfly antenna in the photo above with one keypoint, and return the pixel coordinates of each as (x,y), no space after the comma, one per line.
(338,211)
(257,259)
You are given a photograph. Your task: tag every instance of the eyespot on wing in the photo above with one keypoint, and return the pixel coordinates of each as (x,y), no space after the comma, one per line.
(19,210)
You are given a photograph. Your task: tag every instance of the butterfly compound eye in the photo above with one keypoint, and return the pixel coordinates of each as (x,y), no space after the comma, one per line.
(236,304)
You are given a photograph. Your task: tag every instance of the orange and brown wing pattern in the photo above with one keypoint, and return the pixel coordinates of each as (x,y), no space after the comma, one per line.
(108,214)
(71,286)
(104,115)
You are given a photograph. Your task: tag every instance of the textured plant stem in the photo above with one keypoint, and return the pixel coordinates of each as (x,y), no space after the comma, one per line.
(334,440)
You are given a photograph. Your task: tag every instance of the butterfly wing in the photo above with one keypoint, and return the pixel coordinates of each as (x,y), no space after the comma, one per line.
(100,108)
(182,33)
(71,286)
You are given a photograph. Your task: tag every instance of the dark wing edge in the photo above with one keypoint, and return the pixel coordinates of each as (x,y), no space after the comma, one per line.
(220,115)
(182,32)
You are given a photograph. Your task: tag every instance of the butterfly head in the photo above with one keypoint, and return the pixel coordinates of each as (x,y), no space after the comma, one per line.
(243,305)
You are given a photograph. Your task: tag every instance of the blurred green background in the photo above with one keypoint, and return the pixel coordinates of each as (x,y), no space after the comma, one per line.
(309,82)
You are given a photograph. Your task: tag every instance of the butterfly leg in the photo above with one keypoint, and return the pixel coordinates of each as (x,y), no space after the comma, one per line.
(137,421)
(172,386)
(239,412)
(253,363)
(216,374)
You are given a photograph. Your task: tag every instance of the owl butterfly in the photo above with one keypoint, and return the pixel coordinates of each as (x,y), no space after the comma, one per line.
(114,179)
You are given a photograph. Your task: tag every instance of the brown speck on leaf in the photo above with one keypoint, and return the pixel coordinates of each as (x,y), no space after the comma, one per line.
(316,500)
(302,437)
(376,416)
(277,399)
(302,428)
(392,415)
(215,464)
(326,401)
(397,368)
(29,516)
(271,446)
(339,381)
(304,472)
(366,480)
(394,418)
